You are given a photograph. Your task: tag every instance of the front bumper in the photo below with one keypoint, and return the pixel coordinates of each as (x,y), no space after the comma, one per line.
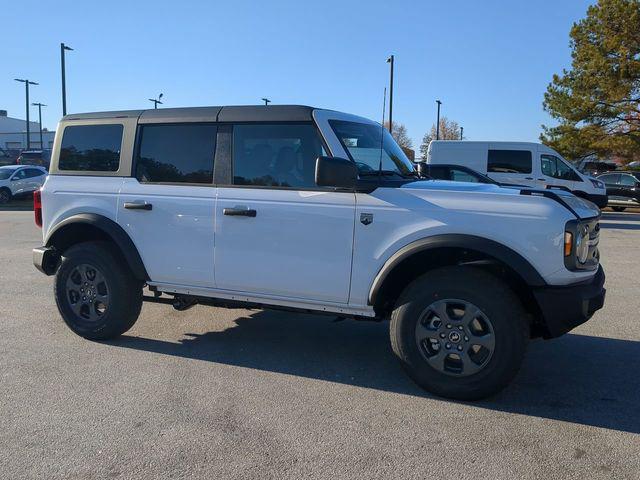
(564,308)
(600,200)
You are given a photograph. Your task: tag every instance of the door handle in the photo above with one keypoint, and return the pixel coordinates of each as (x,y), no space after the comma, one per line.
(239,212)
(137,206)
(542,179)
(528,178)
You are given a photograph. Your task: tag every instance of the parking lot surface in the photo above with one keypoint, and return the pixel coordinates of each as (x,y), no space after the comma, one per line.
(215,393)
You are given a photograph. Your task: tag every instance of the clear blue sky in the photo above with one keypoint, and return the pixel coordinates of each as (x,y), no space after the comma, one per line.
(489,62)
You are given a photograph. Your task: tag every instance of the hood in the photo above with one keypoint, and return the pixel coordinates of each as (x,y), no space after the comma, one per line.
(580,207)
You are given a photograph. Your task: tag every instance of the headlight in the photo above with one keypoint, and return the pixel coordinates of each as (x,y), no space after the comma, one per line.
(582,244)
(581,238)
(597,183)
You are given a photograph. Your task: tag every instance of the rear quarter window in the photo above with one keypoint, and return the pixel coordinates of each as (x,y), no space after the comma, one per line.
(91,148)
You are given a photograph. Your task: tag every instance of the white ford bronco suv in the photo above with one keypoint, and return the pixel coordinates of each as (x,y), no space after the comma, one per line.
(311,210)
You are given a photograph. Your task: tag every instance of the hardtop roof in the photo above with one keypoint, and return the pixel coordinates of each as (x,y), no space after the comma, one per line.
(239,113)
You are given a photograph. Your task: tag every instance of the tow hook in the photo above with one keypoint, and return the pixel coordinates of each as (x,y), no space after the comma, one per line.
(184,303)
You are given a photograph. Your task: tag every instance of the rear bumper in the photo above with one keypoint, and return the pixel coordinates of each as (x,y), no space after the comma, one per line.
(564,308)
(600,200)
(46,259)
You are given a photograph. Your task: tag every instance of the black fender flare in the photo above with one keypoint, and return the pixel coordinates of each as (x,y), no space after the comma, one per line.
(488,247)
(110,228)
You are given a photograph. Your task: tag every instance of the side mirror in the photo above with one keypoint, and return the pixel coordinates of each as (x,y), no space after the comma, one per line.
(336,172)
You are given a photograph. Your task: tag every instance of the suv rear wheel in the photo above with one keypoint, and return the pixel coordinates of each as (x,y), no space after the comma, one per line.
(459,332)
(95,291)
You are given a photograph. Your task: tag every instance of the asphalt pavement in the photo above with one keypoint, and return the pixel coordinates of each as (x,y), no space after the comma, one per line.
(216,393)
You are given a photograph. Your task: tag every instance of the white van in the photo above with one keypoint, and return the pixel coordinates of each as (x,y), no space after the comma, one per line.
(521,163)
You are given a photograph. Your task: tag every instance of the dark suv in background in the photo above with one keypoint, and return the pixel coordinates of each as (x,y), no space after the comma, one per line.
(623,189)
(34,157)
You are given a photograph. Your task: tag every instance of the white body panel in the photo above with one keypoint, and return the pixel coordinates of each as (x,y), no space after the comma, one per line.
(298,245)
(66,195)
(475,155)
(423,209)
(176,237)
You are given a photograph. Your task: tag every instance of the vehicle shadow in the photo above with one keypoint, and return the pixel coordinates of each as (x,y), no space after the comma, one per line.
(577,378)
(17,205)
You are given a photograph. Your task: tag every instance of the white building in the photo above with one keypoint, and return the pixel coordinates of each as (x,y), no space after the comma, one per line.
(13,134)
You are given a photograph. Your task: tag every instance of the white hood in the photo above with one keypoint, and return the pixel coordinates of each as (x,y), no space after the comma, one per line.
(583,208)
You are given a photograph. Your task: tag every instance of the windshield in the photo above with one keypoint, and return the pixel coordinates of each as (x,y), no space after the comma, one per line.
(5,173)
(368,145)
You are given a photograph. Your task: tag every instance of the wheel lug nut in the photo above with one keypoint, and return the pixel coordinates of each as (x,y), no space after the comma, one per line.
(448,325)
(84,298)
(460,347)
(442,335)
(466,339)
(460,327)
(447,346)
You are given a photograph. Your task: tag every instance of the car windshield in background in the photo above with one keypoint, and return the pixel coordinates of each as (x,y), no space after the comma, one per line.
(5,173)
(368,145)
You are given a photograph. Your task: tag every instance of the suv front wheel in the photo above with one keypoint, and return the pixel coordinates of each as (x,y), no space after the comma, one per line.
(96,293)
(459,332)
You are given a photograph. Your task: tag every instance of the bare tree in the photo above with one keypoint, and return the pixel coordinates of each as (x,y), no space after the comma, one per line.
(449,130)
(400,134)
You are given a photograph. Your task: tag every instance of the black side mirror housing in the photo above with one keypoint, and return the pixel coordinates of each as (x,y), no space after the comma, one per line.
(336,172)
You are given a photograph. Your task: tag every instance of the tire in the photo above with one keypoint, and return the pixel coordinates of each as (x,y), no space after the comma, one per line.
(96,293)
(479,371)
(5,195)
(618,209)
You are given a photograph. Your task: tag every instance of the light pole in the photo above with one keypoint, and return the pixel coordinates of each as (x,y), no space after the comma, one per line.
(266,101)
(438,121)
(63,48)
(40,105)
(461,131)
(390,61)
(26,86)
(156,102)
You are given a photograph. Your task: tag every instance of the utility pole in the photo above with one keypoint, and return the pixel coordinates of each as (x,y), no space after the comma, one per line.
(63,48)
(156,101)
(266,101)
(390,61)
(26,86)
(461,131)
(40,105)
(438,121)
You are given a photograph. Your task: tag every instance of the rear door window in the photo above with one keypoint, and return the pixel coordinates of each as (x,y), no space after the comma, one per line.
(176,153)
(509,161)
(92,148)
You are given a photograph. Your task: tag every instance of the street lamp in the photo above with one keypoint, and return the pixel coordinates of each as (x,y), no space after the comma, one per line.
(63,48)
(40,105)
(438,121)
(461,131)
(390,61)
(156,102)
(266,101)
(26,86)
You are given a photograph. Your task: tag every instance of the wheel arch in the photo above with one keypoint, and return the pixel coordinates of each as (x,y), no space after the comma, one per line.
(422,255)
(91,226)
